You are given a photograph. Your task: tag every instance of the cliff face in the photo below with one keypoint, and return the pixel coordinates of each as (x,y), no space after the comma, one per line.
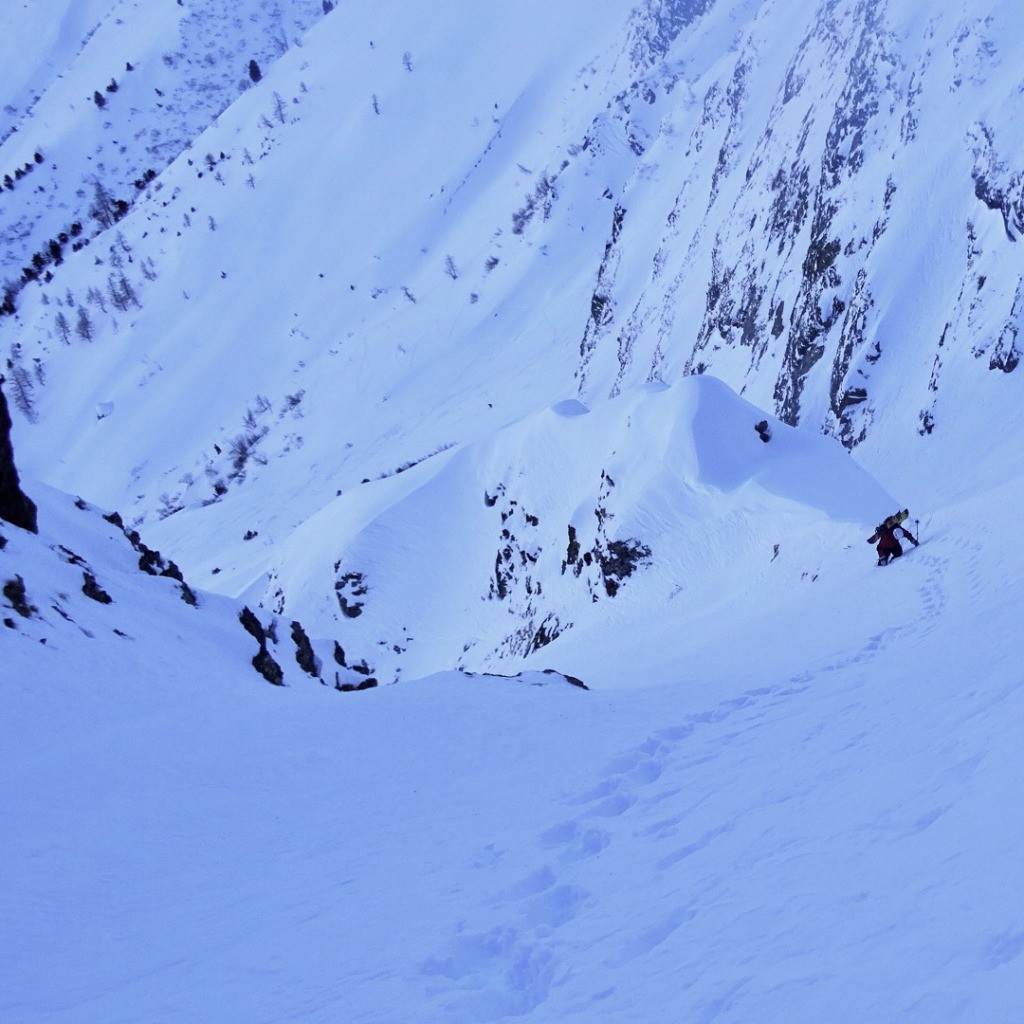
(15,506)
(842,240)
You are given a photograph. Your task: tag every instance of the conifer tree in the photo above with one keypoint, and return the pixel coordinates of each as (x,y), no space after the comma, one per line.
(63,328)
(83,327)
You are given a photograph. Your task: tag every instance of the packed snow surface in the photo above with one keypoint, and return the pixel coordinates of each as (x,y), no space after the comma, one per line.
(795,806)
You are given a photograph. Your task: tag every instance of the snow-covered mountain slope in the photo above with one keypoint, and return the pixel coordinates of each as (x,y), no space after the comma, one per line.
(86,598)
(444,332)
(793,807)
(502,212)
(99,96)
(564,522)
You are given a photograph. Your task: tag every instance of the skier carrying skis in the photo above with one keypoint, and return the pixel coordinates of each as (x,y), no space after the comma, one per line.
(889,546)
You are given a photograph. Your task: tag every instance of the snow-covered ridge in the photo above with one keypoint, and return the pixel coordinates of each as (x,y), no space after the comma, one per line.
(481,556)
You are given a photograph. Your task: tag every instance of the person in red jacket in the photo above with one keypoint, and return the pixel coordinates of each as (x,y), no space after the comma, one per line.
(889,546)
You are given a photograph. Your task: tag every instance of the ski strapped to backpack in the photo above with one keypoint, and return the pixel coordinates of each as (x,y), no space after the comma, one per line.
(891,522)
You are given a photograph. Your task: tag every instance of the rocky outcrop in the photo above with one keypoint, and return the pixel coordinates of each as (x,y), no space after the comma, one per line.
(15,506)
(263,661)
(657,25)
(15,592)
(152,562)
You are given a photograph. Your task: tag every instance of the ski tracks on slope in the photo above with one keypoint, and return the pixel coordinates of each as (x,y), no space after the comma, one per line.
(646,813)
(924,613)
(640,797)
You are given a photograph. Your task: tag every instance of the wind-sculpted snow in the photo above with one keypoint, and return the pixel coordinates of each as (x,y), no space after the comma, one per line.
(486,555)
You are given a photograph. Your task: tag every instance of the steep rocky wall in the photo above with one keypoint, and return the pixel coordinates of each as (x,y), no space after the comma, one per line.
(15,506)
(829,182)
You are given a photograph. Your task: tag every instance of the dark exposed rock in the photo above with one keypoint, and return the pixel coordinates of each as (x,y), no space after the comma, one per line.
(600,311)
(304,654)
(1007,199)
(252,625)
(263,661)
(70,556)
(1007,361)
(602,307)
(848,393)
(569,679)
(93,590)
(615,559)
(550,629)
(1006,354)
(268,668)
(152,562)
(790,203)
(659,25)
(349,586)
(850,398)
(820,309)
(572,553)
(14,591)
(365,684)
(513,555)
(620,561)
(15,506)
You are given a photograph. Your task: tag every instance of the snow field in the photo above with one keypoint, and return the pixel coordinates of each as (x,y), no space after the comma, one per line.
(793,808)
(751,845)
(789,793)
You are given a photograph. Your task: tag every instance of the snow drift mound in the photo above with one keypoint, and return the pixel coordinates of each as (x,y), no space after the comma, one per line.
(484,555)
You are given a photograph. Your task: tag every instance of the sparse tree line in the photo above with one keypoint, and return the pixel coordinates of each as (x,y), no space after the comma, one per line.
(239,451)
(74,319)
(52,253)
(9,180)
(120,293)
(23,381)
(106,210)
(542,199)
(111,87)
